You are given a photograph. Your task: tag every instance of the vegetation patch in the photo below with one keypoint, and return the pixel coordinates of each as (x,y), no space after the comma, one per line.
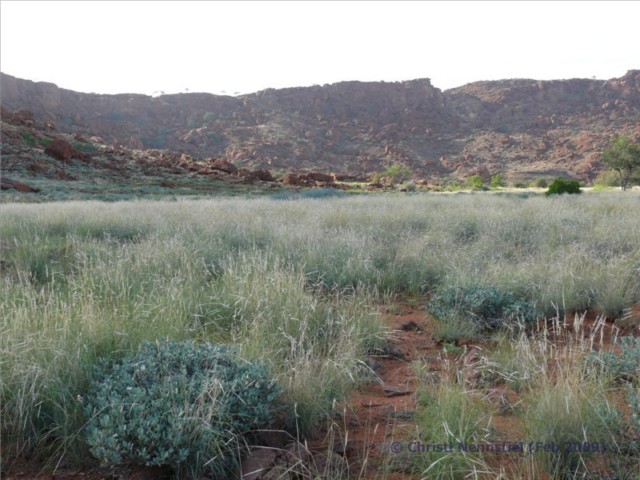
(486,307)
(560,186)
(452,423)
(177,404)
(295,286)
(624,366)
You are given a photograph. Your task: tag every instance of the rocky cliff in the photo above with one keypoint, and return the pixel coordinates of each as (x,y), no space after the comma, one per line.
(522,128)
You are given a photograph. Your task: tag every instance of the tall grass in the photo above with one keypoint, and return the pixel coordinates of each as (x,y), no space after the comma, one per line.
(450,417)
(569,407)
(292,282)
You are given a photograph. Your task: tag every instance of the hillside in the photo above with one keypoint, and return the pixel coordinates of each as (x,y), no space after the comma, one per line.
(522,128)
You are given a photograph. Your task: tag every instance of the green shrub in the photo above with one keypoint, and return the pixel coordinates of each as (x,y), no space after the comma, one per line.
(488,307)
(497,181)
(397,172)
(560,185)
(453,186)
(29,138)
(475,182)
(177,404)
(625,366)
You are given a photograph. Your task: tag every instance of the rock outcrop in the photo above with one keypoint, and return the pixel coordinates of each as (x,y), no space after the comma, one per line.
(520,128)
(60,150)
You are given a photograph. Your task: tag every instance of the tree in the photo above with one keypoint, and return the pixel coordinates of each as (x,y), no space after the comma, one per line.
(623,156)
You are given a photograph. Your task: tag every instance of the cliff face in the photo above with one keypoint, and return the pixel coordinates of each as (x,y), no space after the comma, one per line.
(522,128)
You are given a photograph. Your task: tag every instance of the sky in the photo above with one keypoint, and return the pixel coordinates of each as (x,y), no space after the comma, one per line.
(239,47)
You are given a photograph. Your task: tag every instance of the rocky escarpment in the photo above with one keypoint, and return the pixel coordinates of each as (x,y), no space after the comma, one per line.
(523,128)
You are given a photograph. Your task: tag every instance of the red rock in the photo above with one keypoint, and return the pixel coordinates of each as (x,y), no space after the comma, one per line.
(292,179)
(60,150)
(346,177)
(224,166)
(320,177)
(263,175)
(26,117)
(6,184)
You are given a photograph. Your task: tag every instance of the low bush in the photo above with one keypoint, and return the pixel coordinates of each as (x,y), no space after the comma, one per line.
(397,172)
(497,181)
(475,181)
(540,183)
(486,306)
(177,404)
(29,138)
(560,186)
(626,366)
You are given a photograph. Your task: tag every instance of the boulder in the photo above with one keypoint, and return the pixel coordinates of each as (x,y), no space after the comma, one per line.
(6,184)
(263,175)
(60,150)
(292,179)
(346,177)
(320,177)
(224,166)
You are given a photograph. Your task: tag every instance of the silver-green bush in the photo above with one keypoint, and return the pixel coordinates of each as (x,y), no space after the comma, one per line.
(177,404)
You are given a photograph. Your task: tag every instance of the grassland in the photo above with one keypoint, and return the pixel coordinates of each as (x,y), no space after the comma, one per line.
(292,282)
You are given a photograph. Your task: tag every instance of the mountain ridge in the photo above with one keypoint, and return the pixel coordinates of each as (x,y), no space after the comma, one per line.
(523,128)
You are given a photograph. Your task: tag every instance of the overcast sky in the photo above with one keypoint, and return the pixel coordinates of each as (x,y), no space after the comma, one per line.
(242,46)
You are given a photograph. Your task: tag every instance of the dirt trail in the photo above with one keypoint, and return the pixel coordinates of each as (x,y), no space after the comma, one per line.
(381,411)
